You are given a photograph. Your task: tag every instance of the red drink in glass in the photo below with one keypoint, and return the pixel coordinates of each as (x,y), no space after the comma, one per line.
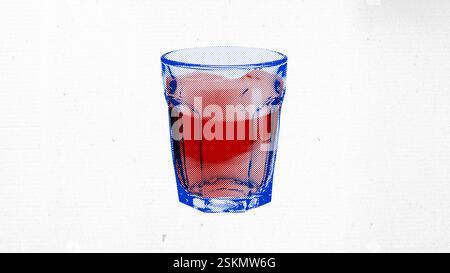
(220,154)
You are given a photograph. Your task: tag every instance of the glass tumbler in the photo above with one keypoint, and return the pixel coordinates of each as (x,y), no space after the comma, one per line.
(224,110)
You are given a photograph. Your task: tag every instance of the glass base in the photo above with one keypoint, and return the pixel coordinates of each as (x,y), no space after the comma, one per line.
(225,204)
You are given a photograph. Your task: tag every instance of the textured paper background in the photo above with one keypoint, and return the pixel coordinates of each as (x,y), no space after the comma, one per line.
(364,153)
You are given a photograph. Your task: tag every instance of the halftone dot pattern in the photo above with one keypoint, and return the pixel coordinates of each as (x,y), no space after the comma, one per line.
(224,107)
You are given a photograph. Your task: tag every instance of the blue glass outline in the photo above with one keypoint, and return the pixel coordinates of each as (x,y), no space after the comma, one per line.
(167,61)
(228,204)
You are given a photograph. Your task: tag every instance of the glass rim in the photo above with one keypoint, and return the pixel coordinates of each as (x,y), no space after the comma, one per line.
(165,60)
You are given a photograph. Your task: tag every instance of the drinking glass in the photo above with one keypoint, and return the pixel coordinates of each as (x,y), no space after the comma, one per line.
(224,110)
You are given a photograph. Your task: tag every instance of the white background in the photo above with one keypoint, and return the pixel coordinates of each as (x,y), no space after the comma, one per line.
(364,153)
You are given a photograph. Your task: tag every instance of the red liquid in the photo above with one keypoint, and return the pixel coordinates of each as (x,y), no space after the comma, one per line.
(211,167)
(221,149)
